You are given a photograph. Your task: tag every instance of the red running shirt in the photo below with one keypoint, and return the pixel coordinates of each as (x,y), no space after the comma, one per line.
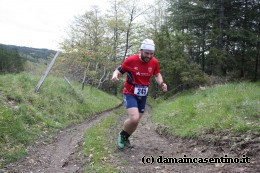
(138,72)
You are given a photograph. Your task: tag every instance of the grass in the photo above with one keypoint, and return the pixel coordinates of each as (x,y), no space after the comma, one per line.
(232,107)
(26,116)
(100,143)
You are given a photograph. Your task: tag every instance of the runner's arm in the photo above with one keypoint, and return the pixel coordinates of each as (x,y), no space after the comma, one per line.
(159,80)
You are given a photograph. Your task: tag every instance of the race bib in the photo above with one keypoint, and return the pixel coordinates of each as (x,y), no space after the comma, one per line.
(141,90)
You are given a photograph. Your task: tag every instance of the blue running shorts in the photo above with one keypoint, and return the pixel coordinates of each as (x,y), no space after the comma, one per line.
(135,101)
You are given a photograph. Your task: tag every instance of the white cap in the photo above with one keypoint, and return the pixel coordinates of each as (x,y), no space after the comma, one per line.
(148,44)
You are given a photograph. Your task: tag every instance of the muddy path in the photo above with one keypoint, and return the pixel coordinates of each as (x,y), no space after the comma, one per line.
(62,155)
(151,148)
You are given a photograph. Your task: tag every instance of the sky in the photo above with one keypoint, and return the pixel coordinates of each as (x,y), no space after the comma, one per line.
(40,23)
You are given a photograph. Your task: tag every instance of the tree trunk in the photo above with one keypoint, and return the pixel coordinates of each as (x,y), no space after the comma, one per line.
(256,62)
(128,32)
(221,24)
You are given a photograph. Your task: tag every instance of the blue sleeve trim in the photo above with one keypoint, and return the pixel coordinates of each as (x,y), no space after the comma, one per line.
(119,68)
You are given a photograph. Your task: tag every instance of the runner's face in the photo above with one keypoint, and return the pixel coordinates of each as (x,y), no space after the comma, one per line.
(146,55)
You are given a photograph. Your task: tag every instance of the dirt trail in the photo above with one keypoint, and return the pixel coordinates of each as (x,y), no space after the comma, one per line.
(59,156)
(62,155)
(149,143)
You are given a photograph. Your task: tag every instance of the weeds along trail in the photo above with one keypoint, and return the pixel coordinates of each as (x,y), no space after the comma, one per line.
(59,156)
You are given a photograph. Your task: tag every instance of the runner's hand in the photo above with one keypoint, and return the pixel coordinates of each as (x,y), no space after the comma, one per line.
(114,78)
(164,87)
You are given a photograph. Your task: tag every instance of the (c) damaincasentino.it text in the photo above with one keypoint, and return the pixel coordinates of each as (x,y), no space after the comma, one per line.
(185,159)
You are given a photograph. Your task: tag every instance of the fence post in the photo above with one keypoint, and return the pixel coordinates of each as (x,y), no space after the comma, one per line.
(46,72)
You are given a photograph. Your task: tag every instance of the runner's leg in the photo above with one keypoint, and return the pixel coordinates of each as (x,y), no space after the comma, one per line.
(134,118)
(135,108)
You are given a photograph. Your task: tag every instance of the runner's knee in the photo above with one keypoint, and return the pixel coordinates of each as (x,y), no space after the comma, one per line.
(135,119)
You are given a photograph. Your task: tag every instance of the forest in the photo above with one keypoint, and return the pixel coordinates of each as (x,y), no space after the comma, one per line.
(198,42)
(13,58)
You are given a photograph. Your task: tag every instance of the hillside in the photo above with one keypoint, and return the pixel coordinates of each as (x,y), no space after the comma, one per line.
(90,146)
(228,109)
(26,116)
(32,54)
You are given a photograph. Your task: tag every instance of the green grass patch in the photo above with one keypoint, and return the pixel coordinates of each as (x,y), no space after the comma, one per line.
(26,116)
(100,145)
(232,107)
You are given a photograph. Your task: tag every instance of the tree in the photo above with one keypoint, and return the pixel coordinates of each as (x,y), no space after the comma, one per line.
(178,69)
(116,25)
(88,42)
(126,26)
(224,34)
(10,60)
